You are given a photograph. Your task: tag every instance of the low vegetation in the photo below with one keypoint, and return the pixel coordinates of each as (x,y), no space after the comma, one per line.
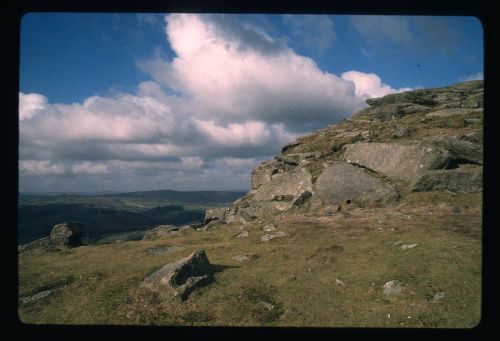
(329,271)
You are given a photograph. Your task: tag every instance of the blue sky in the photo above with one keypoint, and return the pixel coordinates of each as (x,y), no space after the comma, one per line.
(149,101)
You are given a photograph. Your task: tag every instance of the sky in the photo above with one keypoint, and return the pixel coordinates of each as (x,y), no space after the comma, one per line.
(149,101)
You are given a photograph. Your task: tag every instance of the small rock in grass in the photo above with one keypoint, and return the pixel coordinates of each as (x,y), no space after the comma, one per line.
(242,234)
(267,305)
(241,258)
(437,297)
(271,236)
(269,227)
(339,282)
(408,246)
(392,287)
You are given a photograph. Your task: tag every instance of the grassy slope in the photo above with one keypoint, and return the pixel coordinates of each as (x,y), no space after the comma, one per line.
(297,274)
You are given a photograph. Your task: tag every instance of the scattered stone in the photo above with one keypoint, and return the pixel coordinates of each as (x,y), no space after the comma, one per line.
(398,242)
(408,246)
(271,236)
(241,258)
(339,282)
(267,305)
(181,277)
(392,287)
(67,234)
(242,234)
(437,297)
(160,232)
(37,296)
(269,227)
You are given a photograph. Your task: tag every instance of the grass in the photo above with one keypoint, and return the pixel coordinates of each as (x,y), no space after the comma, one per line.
(296,274)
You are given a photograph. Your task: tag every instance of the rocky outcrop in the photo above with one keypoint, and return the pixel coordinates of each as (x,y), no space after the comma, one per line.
(343,182)
(396,160)
(178,279)
(453,180)
(66,234)
(216,214)
(422,140)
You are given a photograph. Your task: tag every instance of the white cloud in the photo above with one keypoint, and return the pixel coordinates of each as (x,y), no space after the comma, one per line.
(30,105)
(230,81)
(89,168)
(40,167)
(230,98)
(472,77)
(369,85)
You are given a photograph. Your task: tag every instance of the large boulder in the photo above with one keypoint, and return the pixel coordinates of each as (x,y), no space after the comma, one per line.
(460,151)
(402,161)
(453,180)
(178,279)
(342,182)
(66,234)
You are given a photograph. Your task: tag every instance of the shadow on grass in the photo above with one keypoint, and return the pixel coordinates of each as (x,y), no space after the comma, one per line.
(221,267)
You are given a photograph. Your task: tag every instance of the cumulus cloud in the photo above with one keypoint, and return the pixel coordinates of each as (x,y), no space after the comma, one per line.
(231,80)
(369,85)
(231,97)
(472,77)
(30,104)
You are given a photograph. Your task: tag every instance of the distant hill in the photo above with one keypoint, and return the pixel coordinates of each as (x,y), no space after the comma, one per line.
(186,197)
(113,213)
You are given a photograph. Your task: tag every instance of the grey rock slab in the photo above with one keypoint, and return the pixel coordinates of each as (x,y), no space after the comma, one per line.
(401,161)
(453,180)
(341,182)
(181,277)
(459,150)
(271,236)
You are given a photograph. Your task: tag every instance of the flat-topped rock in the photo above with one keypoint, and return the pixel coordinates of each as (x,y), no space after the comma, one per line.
(342,182)
(401,161)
